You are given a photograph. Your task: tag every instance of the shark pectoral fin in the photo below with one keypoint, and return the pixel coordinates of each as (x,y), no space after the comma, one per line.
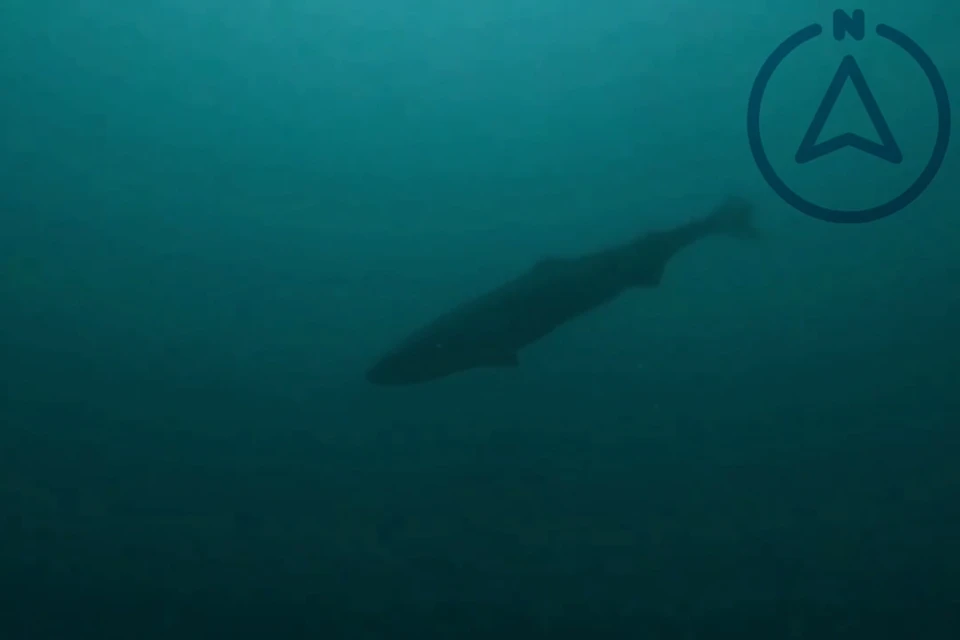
(502,360)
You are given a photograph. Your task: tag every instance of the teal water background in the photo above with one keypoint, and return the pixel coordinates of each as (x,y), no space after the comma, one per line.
(214,215)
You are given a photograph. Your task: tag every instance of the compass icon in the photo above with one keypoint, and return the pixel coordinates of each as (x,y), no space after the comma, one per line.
(812,149)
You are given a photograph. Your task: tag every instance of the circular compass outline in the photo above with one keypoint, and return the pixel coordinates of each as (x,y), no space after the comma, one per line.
(870,214)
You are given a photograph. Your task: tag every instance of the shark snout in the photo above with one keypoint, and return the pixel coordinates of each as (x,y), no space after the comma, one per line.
(386,371)
(377,374)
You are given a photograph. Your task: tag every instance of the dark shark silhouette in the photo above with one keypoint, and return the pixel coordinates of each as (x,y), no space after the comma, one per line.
(488,331)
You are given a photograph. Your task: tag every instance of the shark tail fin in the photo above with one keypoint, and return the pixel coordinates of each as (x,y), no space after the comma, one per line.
(733,216)
(651,252)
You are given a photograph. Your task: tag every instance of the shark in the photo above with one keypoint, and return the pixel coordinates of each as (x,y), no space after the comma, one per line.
(491,329)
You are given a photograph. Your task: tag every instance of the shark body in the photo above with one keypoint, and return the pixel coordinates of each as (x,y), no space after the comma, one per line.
(490,330)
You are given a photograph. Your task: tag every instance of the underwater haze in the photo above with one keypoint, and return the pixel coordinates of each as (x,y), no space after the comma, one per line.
(215,215)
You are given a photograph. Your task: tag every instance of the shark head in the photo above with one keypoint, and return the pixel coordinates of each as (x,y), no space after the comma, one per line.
(420,361)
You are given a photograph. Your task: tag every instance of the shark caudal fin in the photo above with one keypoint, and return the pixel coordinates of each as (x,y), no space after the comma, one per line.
(647,256)
(733,216)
